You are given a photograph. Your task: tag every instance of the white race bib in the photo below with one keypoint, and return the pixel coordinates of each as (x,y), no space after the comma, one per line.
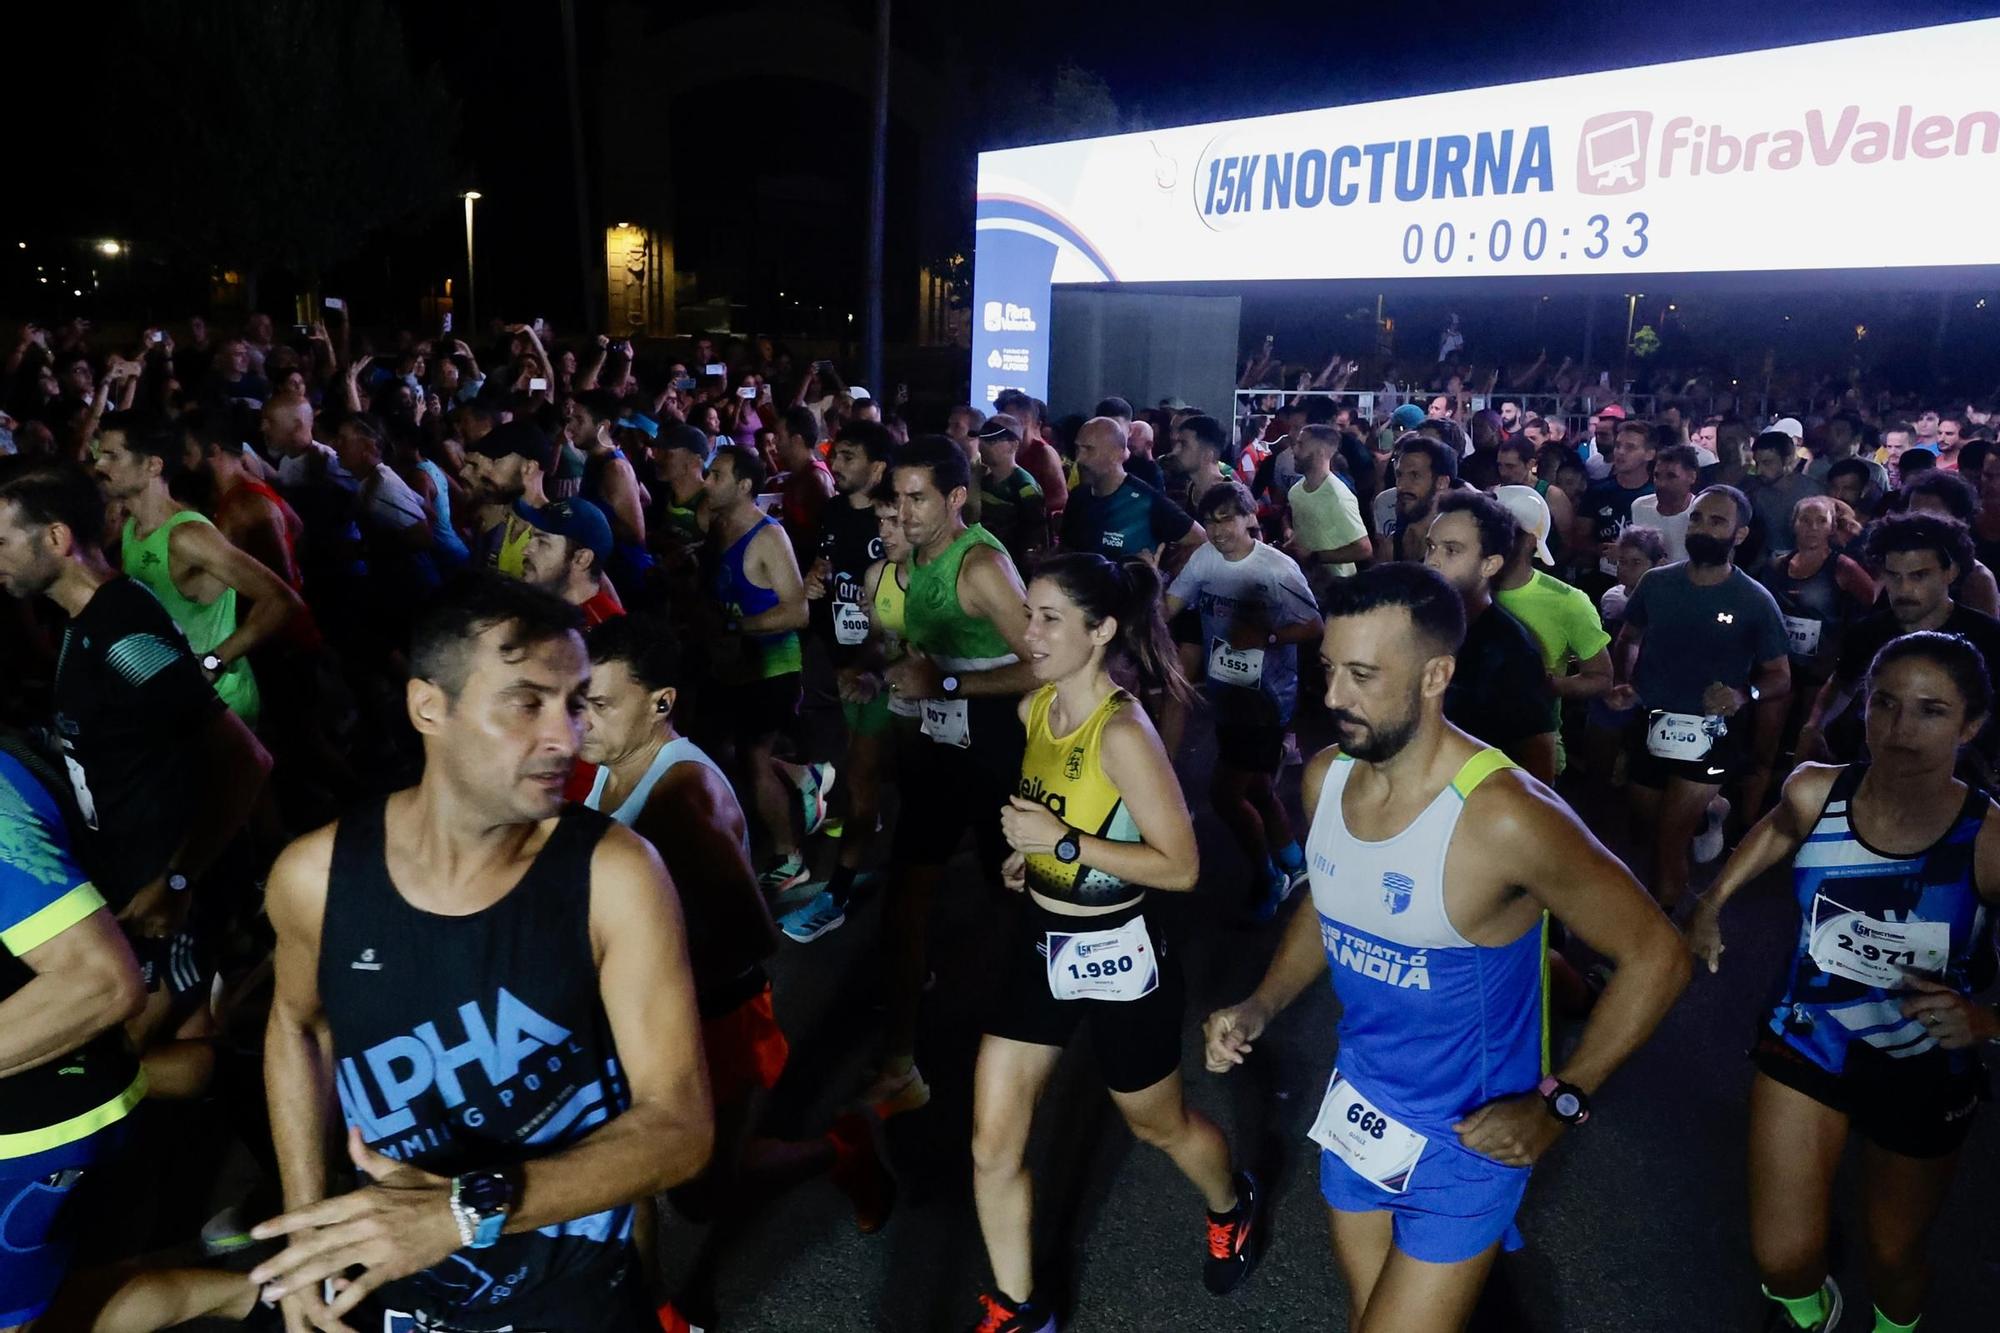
(1876,953)
(1682,735)
(947,722)
(850,623)
(1235,666)
(1116,964)
(1383,1151)
(79,785)
(1802,634)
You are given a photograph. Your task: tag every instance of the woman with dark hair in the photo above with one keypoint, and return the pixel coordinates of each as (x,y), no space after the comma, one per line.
(1098,825)
(1895,864)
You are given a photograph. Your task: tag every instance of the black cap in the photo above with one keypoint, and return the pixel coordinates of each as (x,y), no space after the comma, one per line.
(518,437)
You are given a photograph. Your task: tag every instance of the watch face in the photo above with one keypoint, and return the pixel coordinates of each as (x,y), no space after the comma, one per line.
(485,1191)
(950,684)
(1568,1105)
(211,663)
(1067,850)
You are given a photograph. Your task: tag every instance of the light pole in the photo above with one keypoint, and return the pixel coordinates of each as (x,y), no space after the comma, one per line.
(1631,311)
(471,329)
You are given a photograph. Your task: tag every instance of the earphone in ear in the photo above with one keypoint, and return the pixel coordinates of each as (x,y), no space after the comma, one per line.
(660,707)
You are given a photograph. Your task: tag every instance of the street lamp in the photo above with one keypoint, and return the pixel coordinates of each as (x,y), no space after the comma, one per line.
(471,197)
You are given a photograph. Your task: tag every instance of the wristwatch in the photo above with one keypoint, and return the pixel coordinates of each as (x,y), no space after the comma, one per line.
(176,882)
(1068,849)
(1566,1101)
(480,1203)
(212,664)
(949,685)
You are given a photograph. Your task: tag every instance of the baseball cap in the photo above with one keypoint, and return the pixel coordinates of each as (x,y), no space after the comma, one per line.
(1407,417)
(689,438)
(858,394)
(1531,511)
(517,437)
(999,426)
(1791,427)
(575,520)
(639,421)
(1613,410)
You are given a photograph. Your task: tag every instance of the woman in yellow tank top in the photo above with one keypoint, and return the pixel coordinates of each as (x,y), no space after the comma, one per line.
(1097,825)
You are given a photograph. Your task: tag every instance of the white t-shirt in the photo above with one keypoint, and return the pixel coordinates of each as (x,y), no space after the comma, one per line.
(393,504)
(1265,587)
(1673,528)
(295,470)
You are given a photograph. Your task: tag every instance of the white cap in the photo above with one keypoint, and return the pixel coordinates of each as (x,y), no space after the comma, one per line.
(1531,511)
(858,394)
(1791,427)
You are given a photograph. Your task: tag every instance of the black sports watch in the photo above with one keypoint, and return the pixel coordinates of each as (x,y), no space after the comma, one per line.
(212,664)
(1068,850)
(176,882)
(1566,1101)
(949,684)
(480,1203)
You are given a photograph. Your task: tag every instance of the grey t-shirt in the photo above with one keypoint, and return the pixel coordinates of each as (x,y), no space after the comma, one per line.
(1773,500)
(1264,588)
(1696,636)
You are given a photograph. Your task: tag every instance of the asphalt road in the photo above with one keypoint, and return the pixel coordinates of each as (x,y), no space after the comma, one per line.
(1635,1223)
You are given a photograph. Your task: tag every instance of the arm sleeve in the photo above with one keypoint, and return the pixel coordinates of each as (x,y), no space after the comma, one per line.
(1347,525)
(1170,521)
(1187,583)
(1583,628)
(1635,602)
(43,892)
(1770,638)
(1295,603)
(1521,688)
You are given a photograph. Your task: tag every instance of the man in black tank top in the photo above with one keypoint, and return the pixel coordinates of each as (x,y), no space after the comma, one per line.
(496,985)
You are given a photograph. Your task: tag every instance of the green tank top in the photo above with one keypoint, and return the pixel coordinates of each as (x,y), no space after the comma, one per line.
(937,624)
(206,624)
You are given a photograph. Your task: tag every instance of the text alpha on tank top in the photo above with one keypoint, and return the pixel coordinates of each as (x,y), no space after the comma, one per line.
(467,1042)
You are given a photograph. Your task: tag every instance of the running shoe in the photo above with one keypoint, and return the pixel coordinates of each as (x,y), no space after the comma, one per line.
(815,781)
(997,1314)
(803,925)
(786,874)
(1781,1322)
(894,1093)
(1271,896)
(1708,842)
(226,1233)
(1235,1239)
(859,1172)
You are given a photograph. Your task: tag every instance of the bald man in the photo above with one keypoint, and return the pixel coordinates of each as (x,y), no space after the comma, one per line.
(1117,515)
(302,460)
(1139,460)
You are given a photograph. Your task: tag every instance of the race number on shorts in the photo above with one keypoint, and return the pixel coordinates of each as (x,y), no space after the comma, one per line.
(1382,1150)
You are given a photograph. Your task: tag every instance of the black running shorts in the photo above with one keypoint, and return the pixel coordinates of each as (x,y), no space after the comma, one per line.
(1138,1042)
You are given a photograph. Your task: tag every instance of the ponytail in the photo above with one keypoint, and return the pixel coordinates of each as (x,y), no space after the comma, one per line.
(1129,593)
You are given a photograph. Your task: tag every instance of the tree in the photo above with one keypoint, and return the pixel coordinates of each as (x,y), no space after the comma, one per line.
(307,130)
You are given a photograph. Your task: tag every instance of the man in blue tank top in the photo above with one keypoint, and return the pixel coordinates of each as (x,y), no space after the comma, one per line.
(497,986)
(1434,863)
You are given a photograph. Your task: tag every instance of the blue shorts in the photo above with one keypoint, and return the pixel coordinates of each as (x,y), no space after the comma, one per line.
(1457,1203)
(37,1228)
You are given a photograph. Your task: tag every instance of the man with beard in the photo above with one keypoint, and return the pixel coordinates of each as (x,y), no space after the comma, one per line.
(1701,642)
(1425,470)
(567,556)
(1921,556)
(1500,693)
(1431,930)
(505,470)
